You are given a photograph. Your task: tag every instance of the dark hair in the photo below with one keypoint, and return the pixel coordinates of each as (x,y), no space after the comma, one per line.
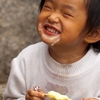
(41,4)
(93,20)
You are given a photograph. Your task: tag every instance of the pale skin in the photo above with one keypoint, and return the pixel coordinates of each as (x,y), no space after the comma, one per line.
(68,17)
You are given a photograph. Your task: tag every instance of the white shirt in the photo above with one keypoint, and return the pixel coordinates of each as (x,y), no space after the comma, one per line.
(35,67)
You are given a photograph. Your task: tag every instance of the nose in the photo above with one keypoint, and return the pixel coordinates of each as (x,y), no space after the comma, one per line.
(53,18)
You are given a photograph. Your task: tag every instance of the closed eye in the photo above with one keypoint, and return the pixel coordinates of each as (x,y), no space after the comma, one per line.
(67,14)
(47,7)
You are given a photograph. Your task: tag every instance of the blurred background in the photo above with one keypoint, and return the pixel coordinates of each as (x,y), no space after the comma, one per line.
(17,31)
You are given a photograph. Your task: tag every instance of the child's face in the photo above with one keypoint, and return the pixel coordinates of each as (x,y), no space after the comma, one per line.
(62,19)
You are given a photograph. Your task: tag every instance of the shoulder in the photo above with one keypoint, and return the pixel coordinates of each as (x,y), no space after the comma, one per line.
(32,50)
(34,47)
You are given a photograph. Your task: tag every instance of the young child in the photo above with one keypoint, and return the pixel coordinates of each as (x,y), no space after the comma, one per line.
(68,59)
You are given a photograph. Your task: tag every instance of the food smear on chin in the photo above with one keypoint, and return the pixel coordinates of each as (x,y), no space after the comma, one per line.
(55,42)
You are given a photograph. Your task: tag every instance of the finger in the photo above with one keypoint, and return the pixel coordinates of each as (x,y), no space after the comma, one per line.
(32,98)
(27,97)
(36,98)
(37,88)
(35,93)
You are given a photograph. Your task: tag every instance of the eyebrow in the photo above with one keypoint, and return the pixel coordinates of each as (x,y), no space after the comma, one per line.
(69,7)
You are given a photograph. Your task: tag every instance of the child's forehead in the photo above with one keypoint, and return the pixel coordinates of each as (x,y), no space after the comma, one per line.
(66,3)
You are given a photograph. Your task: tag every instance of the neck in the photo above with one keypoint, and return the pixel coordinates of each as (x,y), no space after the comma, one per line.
(67,56)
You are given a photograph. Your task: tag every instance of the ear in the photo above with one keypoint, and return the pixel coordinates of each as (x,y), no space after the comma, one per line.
(92,37)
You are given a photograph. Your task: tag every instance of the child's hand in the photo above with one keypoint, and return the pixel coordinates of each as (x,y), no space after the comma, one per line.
(89,99)
(35,95)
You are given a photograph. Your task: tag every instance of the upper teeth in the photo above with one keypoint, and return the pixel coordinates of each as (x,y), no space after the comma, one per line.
(52,30)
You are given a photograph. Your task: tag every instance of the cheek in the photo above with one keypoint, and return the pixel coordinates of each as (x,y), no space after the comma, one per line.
(73,30)
(42,16)
(39,18)
(70,33)
(70,30)
(74,26)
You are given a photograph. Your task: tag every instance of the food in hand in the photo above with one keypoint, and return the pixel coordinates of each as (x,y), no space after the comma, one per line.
(56,96)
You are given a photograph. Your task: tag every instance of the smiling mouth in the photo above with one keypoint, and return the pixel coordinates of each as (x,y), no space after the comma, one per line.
(52,30)
(49,34)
